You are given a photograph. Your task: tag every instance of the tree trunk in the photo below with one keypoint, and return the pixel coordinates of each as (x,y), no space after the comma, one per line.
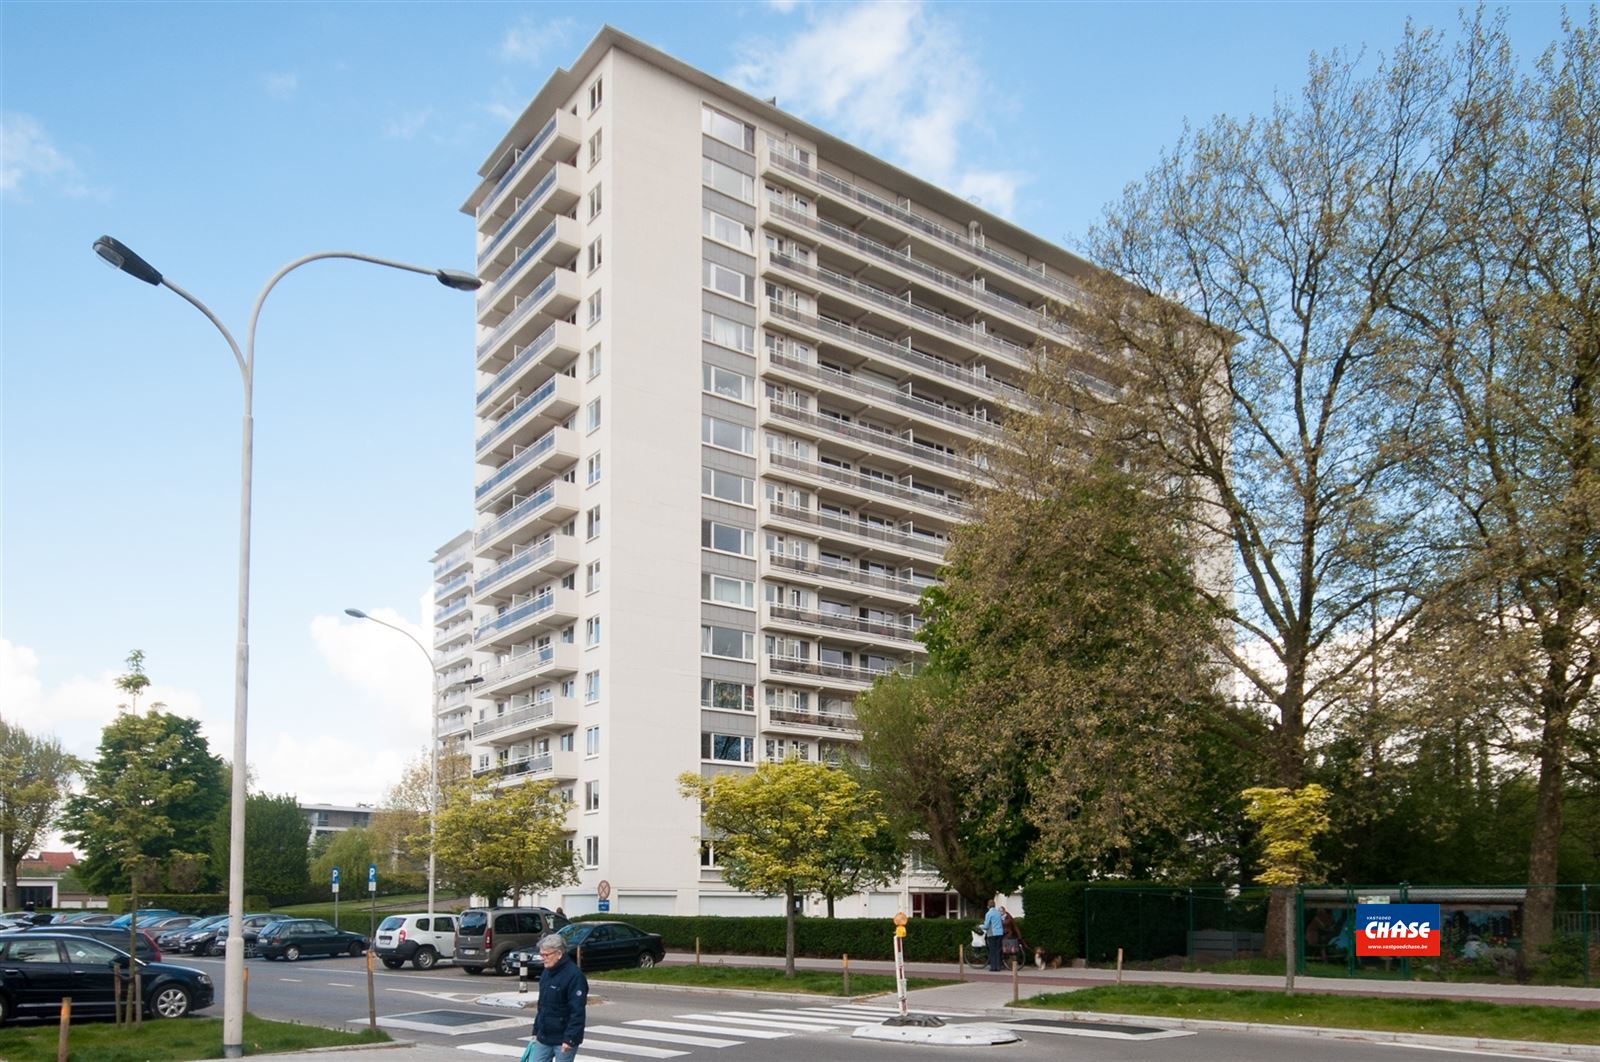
(1538,912)
(788,931)
(1277,920)
(1290,955)
(830,906)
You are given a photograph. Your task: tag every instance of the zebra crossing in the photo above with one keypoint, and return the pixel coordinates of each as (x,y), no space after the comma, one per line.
(663,1038)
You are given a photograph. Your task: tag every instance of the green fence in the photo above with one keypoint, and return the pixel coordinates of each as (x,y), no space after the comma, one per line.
(1211,926)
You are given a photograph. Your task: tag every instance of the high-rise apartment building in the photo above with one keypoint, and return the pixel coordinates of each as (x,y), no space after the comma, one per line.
(730,374)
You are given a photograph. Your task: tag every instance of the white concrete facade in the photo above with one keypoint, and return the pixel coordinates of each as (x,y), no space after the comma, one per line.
(730,373)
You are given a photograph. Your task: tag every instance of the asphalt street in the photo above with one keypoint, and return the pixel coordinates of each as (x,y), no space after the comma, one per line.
(633,1023)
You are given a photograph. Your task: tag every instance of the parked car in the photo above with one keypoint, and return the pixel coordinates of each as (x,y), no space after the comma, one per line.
(292,938)
(38,968)
(415,938)
(170,941)
(486,936)
(144,945)
(86,918)
(145,916)
(601,945)
(213,940)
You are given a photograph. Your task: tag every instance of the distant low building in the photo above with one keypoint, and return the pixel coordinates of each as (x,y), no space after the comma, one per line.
(335,818)
(48,880)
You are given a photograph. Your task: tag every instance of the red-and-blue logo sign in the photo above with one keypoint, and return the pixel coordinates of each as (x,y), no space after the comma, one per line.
(1403,930)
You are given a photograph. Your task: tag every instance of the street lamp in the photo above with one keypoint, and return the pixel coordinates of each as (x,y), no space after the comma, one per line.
(433,751)
(119,256)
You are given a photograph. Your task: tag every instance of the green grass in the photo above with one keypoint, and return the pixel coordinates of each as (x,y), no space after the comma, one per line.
(170,1041)
(764,979)
(1440,1017)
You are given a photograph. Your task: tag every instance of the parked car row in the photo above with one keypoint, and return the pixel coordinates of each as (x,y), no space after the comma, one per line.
(41,965)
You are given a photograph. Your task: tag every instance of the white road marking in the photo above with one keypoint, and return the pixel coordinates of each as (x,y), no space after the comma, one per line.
(339,984)
(666,1038)
(757,1034)
(513,1051)
(815,1018)
(738,1018)
(1473,1051)
(630,1049)
(291,980)
(403,1021)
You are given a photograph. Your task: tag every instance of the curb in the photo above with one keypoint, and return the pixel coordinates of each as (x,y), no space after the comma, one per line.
(392,1045)
(1462,1043)
(757,993)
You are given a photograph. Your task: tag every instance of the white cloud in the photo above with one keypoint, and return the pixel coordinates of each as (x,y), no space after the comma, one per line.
(28,156)
(896,78)
(282,86)
(531,39)
(407,125)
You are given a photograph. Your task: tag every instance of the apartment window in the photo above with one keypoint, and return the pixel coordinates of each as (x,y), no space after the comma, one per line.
(726,590)
(727,748)
(729,696)
(726,333)
(728,129)
(779,750)
(729,282)
(714,431)
(729,487)
(591,796)
(727,642)
(564,742)
(596,94)
(591,578)
(591,741)
(727,383)
(592,416)
(594,307)
(708,854)
(591,687)
(595,202)
(725,538)
(592,360)
(591,852)
(594,147)
(596,254)
(726,230)
(592,523)
(592,469)
(569,688)
(591,631)
(728,180)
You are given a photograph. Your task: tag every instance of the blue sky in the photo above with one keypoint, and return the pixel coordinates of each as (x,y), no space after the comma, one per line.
(223,140)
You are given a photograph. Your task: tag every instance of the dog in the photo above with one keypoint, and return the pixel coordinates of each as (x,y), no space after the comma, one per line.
(1046,959)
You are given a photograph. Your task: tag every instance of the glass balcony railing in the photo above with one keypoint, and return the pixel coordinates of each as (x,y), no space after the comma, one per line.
(537,712)
(512,768)
(518,512)
(455,582)
(955,463)
(922,543)
(525,405)
(518,315)
(455,607)
(456,557)
(518,164)
(517,563)
(785,665)
(545,184)
(880,393)
(513,616)
(519,360)
(892,631)
(526,255)
(519,664)
(854,576)
(535,450)
(856,481)
(824,720)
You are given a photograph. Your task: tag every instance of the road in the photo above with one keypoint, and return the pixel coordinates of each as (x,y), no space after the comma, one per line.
(631,1023)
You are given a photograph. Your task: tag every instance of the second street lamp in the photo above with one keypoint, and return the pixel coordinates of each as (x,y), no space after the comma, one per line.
(119,256)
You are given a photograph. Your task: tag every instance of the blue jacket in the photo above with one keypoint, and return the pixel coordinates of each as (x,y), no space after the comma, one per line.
(993,925)
(563,995)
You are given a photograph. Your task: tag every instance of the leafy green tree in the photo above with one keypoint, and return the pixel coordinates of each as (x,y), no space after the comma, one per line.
(35,775)
(349,850)
(502,841)
(1290,822)
(781,829)
(853,863)
(276,845)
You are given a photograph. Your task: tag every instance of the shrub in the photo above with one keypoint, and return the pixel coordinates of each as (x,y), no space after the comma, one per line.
(194,903)
(1055,916)
(927,939)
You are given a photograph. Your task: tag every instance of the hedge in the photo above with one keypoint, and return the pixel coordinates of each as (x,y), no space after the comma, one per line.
(1055,916)
(927,939)
(195,903)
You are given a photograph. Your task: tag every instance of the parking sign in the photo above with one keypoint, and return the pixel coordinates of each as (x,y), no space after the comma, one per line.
(372,877)
(335,879)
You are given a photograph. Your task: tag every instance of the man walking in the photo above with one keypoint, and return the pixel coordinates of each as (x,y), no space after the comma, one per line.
(994,931)
(563,995)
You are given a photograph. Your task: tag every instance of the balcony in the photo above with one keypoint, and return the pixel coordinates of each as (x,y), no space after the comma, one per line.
(834,428)
(553,504)
(870,393)
(553,196)
(456,725)
(556,555)
(553,300)
(846,628)
(449,635)
(555,451)
(454,608)
(856,533)
(556,246)
(788,669)
(554,713)
(552,609)
(529,417)
(556,347)
(901,353)
(554,143)
(528,668)
(785,719)
(845,191)
(864,584)
(886,492)
(547,765)
(456,653)
(460,558)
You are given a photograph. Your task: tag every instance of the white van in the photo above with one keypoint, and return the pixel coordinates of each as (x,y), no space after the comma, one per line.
(415,938)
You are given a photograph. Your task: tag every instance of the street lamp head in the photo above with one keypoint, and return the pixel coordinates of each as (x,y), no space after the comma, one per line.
(119,256)
(458,279)
(355,612)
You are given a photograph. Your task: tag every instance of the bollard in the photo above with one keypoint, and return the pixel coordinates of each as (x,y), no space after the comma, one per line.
(961,962)
(845,959)
(116,995)
(1015,997)
(372,996)
(697,951)
(136,1004)
(1119,966)
(245,998)
(66,1023)
(523,969)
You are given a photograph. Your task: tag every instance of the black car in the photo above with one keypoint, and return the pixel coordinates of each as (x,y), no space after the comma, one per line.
(171,939)
(38,969)
(291,938)
(213,939)
(599,945)
(144,946)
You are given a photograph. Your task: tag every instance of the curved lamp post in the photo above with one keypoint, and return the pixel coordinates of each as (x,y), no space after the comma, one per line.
(119,256)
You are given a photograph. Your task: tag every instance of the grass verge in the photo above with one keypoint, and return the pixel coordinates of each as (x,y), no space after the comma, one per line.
(763,979)
(1439,1017)
(170,1041)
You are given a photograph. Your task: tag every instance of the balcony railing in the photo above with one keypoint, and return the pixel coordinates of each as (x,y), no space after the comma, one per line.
(535,450)
(873,437)
(899,352)
(442,614)
(523,309)
(850,575)
(903,632)
(525,405)
(521,160)
(825,720)
(961,241)
(454,558)
(517,665)
(540,344)
(856,481)
(904,540)
(512,768)
(880,393)
(513,616)
(786,665)
(950,326)
(513,565)
(544,185)
(445,589)
(533,713)
(528,254)
(519,512)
